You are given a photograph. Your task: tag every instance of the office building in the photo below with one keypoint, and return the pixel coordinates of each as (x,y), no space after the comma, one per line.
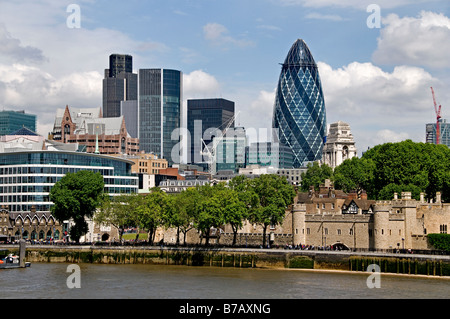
(160,111)
(340,145)
(27,176)
(444,136)
(87,128)
(119,84)
(205,118)
(299,114)
(11,121)
(270,154)
(230,151)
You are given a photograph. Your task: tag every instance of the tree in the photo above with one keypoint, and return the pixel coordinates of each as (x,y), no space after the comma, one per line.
(183,214)
(274,195)
(119,211)
(76,197)
(235,210)
(408,163)
(355,175)
(152,213)
(209,211)
(315,176)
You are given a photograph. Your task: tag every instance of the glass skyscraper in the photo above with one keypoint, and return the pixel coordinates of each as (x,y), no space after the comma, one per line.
(160,102)
(214,114)
(299,114)
(11,121)
(119,84)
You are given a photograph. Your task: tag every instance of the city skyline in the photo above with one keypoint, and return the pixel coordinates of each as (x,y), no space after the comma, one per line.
(375,79)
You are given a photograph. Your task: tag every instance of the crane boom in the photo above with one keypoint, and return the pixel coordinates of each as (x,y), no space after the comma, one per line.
(216,141)
(438,117)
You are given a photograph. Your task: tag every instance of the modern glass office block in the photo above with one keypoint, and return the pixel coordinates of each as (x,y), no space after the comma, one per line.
(210,115)
(11,121)
(299,114)
(27,177)
(160,102)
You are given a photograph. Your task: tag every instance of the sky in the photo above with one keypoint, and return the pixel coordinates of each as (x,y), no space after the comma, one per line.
(376,78)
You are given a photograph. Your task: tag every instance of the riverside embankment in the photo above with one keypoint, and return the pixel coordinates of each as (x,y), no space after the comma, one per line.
(411,264)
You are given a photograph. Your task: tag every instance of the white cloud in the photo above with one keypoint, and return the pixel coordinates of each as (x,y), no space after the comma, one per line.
(199,84)
(13,49)
(37,92)
(380,106)
(388,136)
(422,41)
(218,35)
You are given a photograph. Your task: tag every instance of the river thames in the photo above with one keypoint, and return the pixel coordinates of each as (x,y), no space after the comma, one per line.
(50,281)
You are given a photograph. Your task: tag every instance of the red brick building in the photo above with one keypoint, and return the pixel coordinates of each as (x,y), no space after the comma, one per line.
(88,128)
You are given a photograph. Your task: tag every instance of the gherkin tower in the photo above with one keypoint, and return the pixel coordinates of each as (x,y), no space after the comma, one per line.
(299,115)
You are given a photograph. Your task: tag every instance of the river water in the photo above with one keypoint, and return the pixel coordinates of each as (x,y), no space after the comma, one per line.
(43,280)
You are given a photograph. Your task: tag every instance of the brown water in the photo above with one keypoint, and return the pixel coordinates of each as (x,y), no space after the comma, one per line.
(44,280)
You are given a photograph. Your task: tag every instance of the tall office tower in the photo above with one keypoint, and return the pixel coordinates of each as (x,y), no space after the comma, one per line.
(11,121)
(160,111)
(204,118)
(299,115)
(444,133)
(119,84)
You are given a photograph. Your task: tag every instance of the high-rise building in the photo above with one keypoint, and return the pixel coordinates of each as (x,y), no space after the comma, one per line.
(11,121)
(269,154)
(340,145)
(160,111)
(230,151)
(299,115)
(204,118)
(119,84)
(444,136)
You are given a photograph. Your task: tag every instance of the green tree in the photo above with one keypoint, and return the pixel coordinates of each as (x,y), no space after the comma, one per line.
(274,195)
(408,163)
(355,175)
(76,197)
(388,191)
(120,211)
(181,216)
(152,213)
(234,210)
(209,211)
(315,175)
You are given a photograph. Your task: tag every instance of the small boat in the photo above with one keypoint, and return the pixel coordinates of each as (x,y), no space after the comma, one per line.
(11,262)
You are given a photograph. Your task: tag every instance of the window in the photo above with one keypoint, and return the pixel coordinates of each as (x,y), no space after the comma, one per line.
(339,232)
(443,229)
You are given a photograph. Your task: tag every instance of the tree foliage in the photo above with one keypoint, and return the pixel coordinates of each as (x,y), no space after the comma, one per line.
(261,200)
(76,197)
(389,168)
(315,175)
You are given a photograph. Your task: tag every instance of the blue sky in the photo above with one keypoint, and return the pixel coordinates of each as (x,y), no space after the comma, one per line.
(377,80)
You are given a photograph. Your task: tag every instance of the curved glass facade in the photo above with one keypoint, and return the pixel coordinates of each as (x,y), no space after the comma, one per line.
(26,178)
(299,113)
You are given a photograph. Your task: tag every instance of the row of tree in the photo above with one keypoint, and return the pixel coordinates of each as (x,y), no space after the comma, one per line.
(262,200)
(389,168)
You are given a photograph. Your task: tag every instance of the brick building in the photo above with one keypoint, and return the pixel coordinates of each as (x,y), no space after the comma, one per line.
(87,127)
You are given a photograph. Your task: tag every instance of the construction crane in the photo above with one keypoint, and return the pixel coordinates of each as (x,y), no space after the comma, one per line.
(211,151)
(438,116)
